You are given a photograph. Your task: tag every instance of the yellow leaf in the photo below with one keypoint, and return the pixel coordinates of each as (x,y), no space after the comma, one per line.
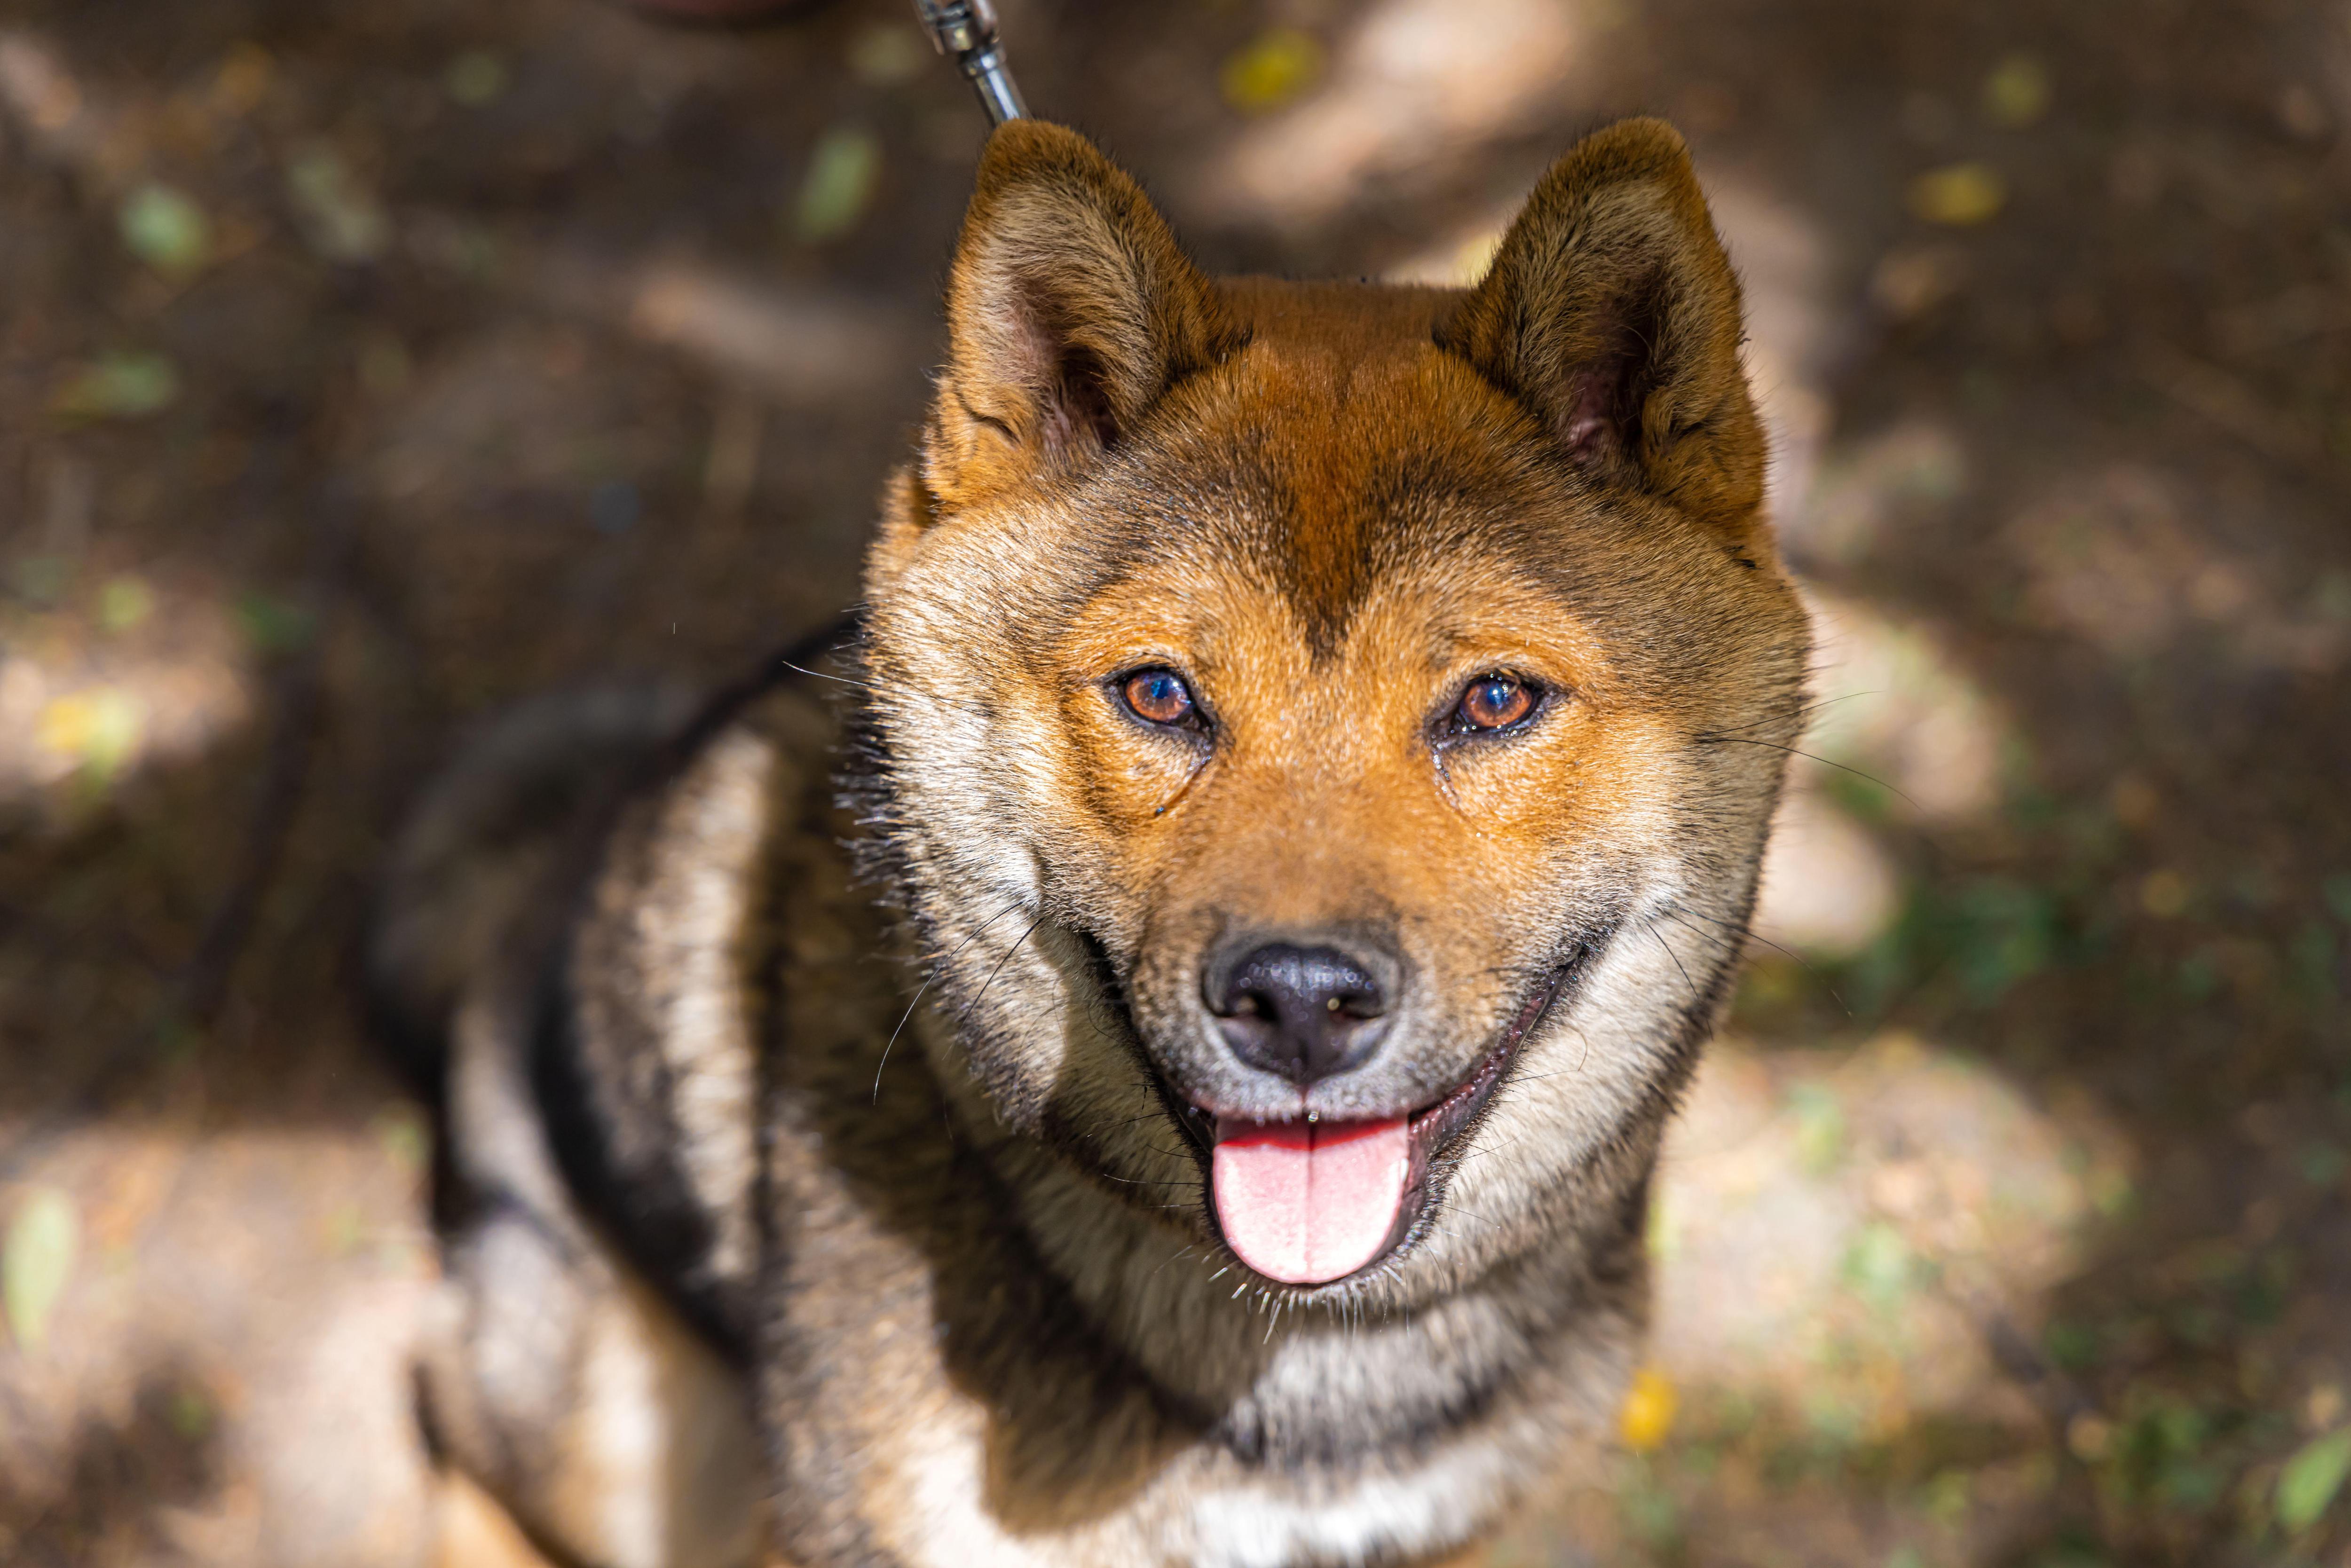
(1959,194)
(99,729)
(1280,66)
(1647,1414)
(35,1261)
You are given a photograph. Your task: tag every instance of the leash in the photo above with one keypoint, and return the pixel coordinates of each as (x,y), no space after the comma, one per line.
(966,29)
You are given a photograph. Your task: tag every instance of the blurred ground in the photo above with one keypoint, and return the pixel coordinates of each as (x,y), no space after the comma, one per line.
(364,368)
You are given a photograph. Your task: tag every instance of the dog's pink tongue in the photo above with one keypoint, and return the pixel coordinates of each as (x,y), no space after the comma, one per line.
(1306,1202)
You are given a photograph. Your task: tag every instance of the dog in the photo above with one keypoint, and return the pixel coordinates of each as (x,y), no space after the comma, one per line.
(1155,1052)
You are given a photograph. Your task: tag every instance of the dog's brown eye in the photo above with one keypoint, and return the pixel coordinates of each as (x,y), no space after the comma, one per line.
(1158,695)
(1494,702)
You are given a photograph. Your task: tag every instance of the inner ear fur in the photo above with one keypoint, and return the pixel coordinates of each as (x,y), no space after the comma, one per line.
(1071,309)
(1611,311)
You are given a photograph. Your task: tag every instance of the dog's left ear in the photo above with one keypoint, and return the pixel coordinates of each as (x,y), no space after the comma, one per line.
(1071,310)
(1612,313)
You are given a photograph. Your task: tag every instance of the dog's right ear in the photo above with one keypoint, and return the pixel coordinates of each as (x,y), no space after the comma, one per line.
(1071,309)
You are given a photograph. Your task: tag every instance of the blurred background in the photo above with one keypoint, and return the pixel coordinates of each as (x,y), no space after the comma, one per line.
(364,368)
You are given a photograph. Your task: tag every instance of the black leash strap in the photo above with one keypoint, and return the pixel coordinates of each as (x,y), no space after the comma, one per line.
(966,29)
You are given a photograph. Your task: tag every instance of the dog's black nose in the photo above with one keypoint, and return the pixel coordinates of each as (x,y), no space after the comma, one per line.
(1303,1012)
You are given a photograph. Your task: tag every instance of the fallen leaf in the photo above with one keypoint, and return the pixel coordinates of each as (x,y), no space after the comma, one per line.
(1272,70)
(99,729)
(2310,1478)
(165,228)
(343,220)
(885,54)
(1648,1412)
(2017,92)
(1959,194)
(35,1261)
(118,386)
(124,602)
(840,181)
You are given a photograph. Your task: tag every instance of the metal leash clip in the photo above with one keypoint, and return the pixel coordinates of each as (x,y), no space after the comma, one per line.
(966,29)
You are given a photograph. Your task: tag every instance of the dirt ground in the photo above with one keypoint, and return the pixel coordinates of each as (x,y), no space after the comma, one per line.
(364,368)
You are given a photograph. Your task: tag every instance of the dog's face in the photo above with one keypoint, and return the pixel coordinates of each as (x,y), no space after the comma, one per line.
(1336,724)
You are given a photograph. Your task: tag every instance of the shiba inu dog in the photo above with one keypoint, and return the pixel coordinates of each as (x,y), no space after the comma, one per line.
(1158,1059)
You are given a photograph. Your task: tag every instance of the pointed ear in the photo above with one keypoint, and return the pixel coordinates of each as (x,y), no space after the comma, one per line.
(1612,312)
(1069,310)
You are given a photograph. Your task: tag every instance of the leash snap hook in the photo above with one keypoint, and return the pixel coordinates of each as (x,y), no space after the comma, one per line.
(966,29)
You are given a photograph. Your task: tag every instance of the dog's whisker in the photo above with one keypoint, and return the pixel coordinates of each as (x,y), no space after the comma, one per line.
(1801,710)
(1179,1252)
(1798,751)
(925,987)
(1751,933)
(1675,956)
(965,1012)
(837,680)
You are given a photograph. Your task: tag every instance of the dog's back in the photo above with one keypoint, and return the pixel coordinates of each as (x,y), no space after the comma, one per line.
(585,1367)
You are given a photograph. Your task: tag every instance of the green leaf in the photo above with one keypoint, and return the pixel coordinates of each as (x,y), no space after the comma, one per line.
(35,1261)
(119,386)
(342,217)
(274,625)
(166,229)
(840,181)
(2310,1478)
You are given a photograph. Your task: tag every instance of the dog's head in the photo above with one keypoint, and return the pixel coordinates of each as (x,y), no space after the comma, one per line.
(1337,723)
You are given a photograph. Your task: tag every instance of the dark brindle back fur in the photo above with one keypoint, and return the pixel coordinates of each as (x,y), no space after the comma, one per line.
(976,1304)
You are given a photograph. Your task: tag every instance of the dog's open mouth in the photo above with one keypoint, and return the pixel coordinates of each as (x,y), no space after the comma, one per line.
(1310,1202)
